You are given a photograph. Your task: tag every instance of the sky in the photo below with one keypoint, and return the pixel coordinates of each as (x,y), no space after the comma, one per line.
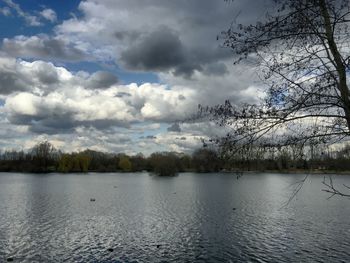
(118,75)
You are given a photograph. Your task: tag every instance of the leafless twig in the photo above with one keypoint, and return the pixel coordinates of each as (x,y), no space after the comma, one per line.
(331,189)
(297,186)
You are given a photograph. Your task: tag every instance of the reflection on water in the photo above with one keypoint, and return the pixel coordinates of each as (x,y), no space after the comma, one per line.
(188,218)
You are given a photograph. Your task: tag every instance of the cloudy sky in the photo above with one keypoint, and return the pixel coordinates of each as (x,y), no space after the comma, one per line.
(117,75)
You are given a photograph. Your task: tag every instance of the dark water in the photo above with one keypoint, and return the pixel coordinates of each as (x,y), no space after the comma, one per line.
(188,218)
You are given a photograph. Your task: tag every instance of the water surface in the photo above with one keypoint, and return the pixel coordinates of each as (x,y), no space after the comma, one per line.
(188,218)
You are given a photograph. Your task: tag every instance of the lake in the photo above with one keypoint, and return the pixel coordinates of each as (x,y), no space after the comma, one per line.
(187,218)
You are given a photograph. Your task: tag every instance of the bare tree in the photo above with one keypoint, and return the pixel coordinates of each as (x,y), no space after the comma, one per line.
(303,51)
(43,153)
(302,48)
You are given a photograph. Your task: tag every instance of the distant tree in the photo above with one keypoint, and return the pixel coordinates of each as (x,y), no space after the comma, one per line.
(164,163)
(84,161)
(206,160)
(43,155)
(284,160)
(74,162)
(139,163)
(125,164)
(345,152)
(185,162)
(102,162)
(65,163)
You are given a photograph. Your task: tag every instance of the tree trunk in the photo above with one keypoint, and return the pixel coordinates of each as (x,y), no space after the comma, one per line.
(340,67)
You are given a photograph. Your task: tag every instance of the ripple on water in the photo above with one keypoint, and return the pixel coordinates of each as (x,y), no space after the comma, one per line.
(51,219)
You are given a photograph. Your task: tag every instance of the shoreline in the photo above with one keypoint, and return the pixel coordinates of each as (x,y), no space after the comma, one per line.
(316,171)
(235,172)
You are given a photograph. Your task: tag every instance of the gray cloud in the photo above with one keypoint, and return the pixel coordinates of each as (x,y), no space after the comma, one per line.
(123,35)
(149,137)
(123,94)
(18,76)
(10,80)
(183,52)
(9,83)
(161,50)
(101,80)
(57,101)
(45,73)
(60,123)
(181,97)
(174,128)
(43,47)
(218,69)
(183,43)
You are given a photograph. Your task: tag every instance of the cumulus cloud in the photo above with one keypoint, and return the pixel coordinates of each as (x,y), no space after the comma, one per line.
(190,58)
(56,113)
(163,51)
(10,81)
(182,50)
(37,77)
(101,80)
(184,41)
(218,69)
(94,110)
(59,103)
(42,46)
(82,138)
(160,50)
(240,85)
(55,100)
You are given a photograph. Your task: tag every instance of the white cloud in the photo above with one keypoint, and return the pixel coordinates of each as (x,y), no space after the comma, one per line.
(49,14)
(23,104)
(91,108)
(60,105)
(200,64)
(134,23)
(55,97)
(186,142)
(240,85)
(30,19)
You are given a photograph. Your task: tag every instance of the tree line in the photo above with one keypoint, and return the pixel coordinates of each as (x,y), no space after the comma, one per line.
(44,157)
